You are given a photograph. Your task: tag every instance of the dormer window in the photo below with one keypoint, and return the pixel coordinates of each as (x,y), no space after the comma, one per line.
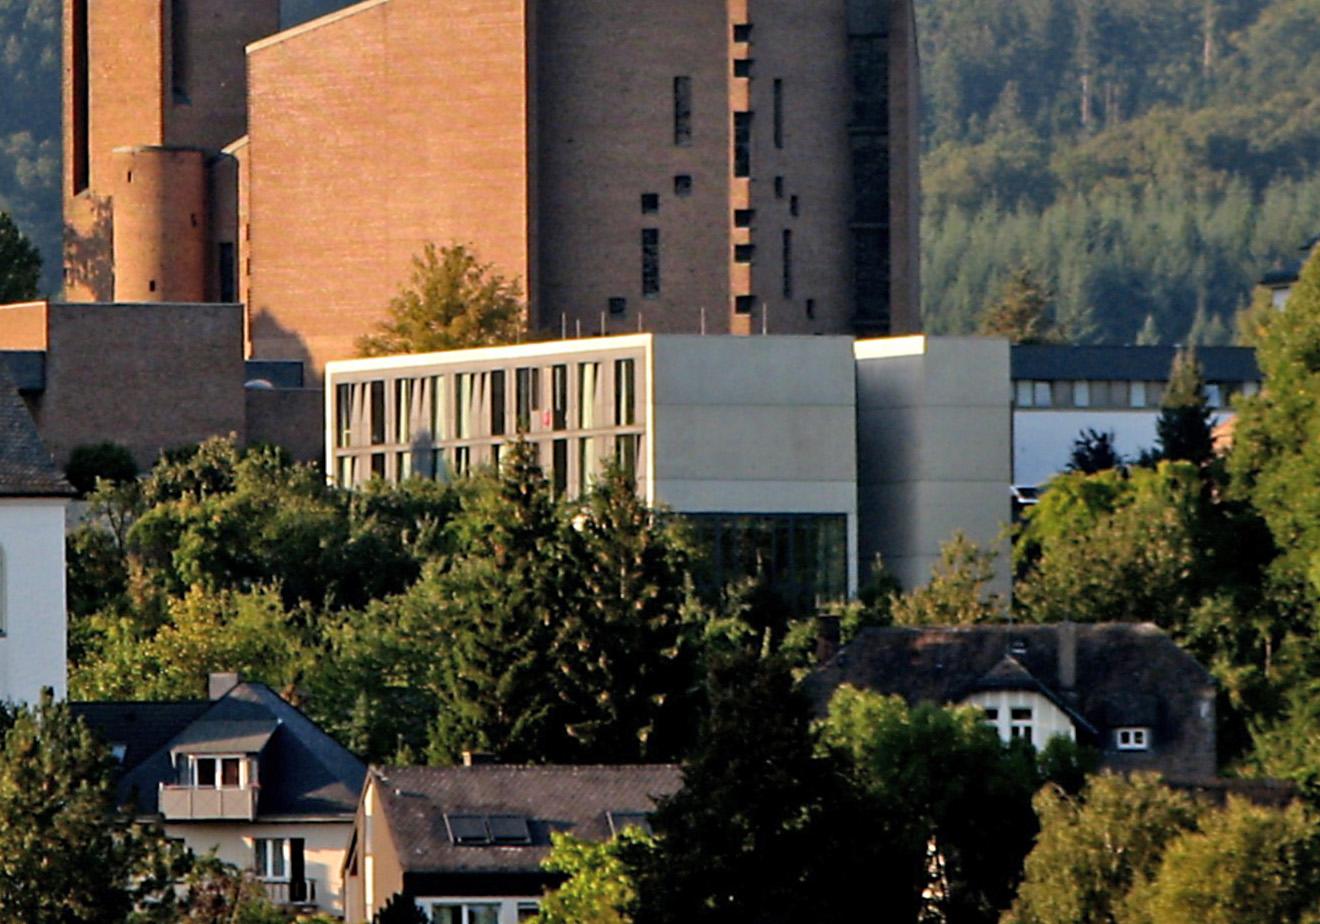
(1132,739)
(217,772)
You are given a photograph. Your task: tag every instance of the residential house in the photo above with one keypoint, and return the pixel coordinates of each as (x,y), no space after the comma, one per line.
(1123,688)
(244,774)
(466,843)
(33,495)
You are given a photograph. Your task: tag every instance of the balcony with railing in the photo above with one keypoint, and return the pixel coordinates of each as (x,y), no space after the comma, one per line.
(291,891)
(197,803)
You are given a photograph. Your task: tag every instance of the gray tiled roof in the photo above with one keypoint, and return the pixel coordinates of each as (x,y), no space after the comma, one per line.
(26,469)
(303,770)
(554,798)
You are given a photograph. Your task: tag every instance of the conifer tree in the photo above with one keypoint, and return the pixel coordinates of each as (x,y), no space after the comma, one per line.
(1183,429)
(20,263)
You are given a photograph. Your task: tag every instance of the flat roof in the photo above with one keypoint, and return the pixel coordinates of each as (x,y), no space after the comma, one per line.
(1048,362)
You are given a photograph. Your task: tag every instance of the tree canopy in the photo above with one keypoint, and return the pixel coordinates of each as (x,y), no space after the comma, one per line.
(20,263)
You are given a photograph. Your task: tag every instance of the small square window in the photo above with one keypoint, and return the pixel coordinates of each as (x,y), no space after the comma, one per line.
(650,203)
(618,305)
(1133,739)
(743,253)
(744,304)
(742,67)
(742,218)
(683,185)
(742,32)
(991,715)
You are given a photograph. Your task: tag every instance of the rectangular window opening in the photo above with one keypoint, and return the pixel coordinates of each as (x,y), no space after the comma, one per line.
(743,253)
(742,32)
(80,118)
(180,65)
(683,185)
(528,397)
(559,397)
(794,206)
(742,67)
(650,261)
(742,144)
(779,113)
(650,203)
(779,187)
(743,218)
(618,305)
(682,111)
(625,392)
(497,402)
(788,263)
(744,304)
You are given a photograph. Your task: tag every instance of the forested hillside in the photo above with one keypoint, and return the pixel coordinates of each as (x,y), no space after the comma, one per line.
(1148,160)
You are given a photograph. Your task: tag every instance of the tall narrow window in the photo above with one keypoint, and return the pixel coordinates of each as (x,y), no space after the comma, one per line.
(437,408)
(788,263)
(497,403)
(343,416)
(559,467)
(179,63)
(227,269)
(588,373)
(742,144)
(463,405)
(403,410)
(528,397)
(625,392)
(650,261)
(682,111)
(81,92)
(779,113)
(559,386)
(377,413)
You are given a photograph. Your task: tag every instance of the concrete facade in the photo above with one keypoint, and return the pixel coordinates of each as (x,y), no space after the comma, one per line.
(934,449)
(32,602)
(749,165)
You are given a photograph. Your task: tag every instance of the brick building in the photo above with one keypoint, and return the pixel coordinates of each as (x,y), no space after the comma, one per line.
(737,166)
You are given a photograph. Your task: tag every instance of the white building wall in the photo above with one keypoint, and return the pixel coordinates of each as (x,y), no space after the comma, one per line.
(755,425)
(32,599)
(935,456)
(324,851)
(1047,720)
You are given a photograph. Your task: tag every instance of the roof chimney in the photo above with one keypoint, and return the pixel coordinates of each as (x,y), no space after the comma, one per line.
(827,637)
(478,758)
(1067,656)
(219,683)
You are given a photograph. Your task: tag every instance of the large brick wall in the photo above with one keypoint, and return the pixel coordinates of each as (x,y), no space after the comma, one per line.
(372,132)
(150,377)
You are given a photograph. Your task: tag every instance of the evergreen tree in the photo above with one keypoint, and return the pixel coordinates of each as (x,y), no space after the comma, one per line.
(1094,452)
(1183,430)
(452,301)
(66,852)
(20,263)
(1023,312)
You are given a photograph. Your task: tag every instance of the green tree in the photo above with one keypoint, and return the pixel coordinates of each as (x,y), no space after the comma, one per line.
(599,889)
(20,263)
(1094,451)
(1183,429)
(957,593)
(66,852)
(1023,312)
(400,909)
(1094,848)
(956,801)
(100,460)
(1247,864)
(452,301)
(764,829)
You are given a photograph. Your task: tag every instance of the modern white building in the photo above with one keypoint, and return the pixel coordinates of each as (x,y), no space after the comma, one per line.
(33,496)
(1061,391)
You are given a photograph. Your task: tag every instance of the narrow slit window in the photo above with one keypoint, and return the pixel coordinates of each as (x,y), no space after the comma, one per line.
(625,392)
(80,154)
(742,144)
(650,261)
(788,263)
(497,403)
(779,113)
(179,63)
(794,206)
(779,187)
(682,111)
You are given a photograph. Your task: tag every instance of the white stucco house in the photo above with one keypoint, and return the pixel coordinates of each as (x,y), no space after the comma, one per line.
(33,496)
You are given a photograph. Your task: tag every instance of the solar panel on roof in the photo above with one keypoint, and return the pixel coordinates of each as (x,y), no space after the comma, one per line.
(620,820)
(510,829)
(467,829)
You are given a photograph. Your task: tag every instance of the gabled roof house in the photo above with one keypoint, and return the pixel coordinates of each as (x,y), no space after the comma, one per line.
(1124,688)
(244,774)
(466,843)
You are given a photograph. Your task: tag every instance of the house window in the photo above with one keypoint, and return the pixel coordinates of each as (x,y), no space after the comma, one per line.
(465,913)
(625,392)
(618,305)
(216,772)
(1041,394)
(650,203)
(991,716)
(403,408)
(650,261)
(559,467)
(81,153)
(1132,739)
(497,403)
(377,413)
(779,113)
(588,374)
(1020,723)
(180,66)
(744,304)
(588,463)
(437,407)
(559,395)
(1214,394)
(528,397)
(270,858)
(683,111)
(779,187)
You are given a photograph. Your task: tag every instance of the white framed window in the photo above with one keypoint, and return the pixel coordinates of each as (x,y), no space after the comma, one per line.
(221,771)
(270,858)
(1020,722)
(1132,739)
(478,912)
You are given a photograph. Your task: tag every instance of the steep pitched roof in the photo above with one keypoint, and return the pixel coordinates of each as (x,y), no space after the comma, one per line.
(415,801)
(303,770)
(26,469)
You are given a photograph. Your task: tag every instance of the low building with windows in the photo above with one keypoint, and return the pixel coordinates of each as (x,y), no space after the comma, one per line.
(243,774)
(1060,391)
(33,497)
(466,843)
(1124,688)
(752,438)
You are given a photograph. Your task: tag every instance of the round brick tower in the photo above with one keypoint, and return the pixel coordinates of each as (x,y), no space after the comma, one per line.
(160,227)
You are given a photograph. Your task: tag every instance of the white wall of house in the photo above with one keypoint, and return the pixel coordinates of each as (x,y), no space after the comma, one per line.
(1046,720)
(934,452)
(32,598)
(469,910)
(324,850)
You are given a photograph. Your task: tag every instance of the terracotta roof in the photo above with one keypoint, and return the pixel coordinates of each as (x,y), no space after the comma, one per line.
(303,770)
(415,801)
(26,469)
